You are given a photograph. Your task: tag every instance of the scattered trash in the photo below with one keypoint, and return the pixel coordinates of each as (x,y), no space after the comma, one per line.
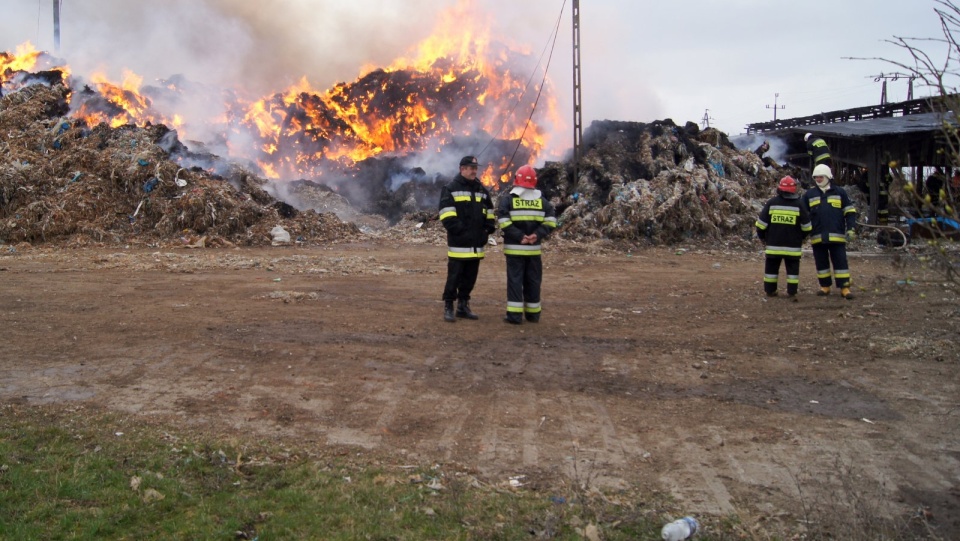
(179,181)
(868,421)
(680,529)
(150,184)
(279,236)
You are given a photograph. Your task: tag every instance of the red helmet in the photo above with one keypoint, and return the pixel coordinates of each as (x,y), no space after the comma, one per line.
(526,177)
(787,185)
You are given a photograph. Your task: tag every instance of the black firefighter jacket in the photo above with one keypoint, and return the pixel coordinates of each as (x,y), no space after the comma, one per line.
(519,217)
(466,212)
(782,225)
(831,213)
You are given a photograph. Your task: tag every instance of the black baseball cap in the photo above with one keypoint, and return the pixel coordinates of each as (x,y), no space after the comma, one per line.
(468,160)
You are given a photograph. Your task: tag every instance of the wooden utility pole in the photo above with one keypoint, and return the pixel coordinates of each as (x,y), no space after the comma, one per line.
(56,26)
(577,119)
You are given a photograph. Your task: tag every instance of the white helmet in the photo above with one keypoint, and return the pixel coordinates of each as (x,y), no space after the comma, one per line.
(807,136)
(823,170)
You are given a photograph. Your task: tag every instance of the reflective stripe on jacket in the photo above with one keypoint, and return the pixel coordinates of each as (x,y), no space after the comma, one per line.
(466,212)
(519,217)
(782,225)
(831,213)
(818,150)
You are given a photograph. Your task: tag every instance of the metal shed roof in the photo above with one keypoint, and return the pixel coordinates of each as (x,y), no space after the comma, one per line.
(912,124)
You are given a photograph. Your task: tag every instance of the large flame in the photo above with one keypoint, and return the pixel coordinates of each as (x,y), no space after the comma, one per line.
(458,88)
(23,59)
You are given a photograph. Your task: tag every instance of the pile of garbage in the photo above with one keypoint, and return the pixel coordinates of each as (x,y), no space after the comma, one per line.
(662,184)
(61,181)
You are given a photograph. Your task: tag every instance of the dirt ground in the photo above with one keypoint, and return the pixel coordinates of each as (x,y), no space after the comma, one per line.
(659,369)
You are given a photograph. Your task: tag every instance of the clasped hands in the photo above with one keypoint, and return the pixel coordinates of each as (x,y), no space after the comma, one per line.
(529,239)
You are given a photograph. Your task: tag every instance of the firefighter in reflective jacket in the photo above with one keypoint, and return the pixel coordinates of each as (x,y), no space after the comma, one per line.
(833,217)
(782,226)
(818,150)
(466,212)
(526,218)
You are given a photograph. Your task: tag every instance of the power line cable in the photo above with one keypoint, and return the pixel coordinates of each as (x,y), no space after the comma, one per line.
(546,70)
(533,72)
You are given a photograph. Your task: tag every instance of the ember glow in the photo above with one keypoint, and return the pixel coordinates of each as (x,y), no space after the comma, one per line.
(460,92)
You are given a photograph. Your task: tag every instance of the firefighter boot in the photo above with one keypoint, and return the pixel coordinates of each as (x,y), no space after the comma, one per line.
(824,291)
(463,310)
(845,293)
(448,311)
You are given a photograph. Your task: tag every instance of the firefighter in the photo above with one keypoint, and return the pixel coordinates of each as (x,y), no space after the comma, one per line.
(833,217)
(466,212)
(782,226)
(818,150)
(526,218)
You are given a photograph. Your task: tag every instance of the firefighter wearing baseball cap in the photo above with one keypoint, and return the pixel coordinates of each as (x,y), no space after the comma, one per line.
(466,212)
(782,225)
(833,217)
(526,218)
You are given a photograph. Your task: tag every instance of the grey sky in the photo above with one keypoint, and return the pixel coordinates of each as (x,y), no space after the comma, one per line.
(642,60)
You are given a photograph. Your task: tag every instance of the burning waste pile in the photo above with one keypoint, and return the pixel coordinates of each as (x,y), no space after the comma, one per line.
(105,163)
(62,181)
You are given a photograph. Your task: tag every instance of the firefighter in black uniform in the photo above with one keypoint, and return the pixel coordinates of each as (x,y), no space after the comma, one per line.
(818,150)
(526,218)
(782,226)
(466,212)
(833,217)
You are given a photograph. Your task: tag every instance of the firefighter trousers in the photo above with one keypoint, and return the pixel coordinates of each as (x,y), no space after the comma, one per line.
(461,277)
(524,276)
(771,270)
(835,252)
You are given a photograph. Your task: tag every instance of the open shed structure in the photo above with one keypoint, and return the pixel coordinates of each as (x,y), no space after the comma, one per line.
(910,133)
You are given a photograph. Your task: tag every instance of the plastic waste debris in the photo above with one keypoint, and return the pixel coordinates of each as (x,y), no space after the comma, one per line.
(150,184)
(279,235)
(680,529)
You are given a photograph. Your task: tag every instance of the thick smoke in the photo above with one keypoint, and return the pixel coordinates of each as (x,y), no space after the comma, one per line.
(196,56)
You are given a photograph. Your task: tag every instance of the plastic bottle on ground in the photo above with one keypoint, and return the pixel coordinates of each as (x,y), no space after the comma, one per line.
(680,529)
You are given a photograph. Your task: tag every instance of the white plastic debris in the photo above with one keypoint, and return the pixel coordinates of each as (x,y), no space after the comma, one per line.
(279,236)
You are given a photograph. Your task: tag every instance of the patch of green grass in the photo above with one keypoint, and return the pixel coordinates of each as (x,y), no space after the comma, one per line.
(76,474)
(82,475)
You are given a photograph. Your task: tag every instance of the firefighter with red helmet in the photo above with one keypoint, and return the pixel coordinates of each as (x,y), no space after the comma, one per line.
(526,218)
(782,225)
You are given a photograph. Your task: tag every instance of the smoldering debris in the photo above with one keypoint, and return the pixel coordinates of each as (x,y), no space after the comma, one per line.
(60,181)
(663,184)
(63,182)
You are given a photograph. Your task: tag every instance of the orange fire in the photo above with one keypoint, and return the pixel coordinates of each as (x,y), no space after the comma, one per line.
(23,59)
(459,90)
